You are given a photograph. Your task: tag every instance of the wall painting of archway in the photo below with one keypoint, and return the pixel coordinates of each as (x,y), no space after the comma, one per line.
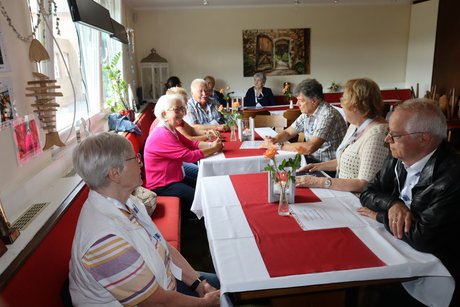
(276,52)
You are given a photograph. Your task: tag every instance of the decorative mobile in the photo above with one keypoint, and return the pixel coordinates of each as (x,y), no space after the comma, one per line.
(44,92)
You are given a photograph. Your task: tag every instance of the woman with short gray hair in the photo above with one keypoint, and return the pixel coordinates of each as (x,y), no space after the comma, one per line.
(258,95)
(119,257)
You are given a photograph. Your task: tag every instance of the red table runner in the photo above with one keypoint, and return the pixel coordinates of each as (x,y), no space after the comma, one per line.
(288,250)
(232,149)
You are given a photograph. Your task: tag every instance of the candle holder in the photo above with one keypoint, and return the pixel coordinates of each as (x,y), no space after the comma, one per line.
(8,234)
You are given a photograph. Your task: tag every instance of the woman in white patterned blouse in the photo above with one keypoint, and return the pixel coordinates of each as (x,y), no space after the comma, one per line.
(363,150)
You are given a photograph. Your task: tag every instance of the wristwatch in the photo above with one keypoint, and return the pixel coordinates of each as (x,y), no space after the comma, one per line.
(280,146)
(327,183)
(197,282)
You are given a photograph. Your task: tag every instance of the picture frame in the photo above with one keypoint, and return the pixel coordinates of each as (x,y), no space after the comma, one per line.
(276,52)
(4,65)
(26,138)
(7,106)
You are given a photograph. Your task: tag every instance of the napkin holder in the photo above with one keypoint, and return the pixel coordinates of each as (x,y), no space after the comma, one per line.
(239,125)
(251,127)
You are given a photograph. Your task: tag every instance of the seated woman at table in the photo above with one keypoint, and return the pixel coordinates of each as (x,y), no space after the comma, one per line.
(192,133)
(322,125)
(258,95)
(166,149)
(135,265)
(363,150)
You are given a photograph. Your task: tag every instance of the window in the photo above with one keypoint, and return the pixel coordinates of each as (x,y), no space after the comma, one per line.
(79,70)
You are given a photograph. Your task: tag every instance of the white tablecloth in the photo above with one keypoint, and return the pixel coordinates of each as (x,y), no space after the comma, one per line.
(240,267)
(218,164)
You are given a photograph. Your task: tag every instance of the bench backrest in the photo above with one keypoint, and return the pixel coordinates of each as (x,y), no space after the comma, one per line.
(41,278)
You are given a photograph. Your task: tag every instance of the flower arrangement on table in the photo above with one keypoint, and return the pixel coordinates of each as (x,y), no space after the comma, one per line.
(334,86)
(281,174)
(230,117)
(226,95)
(287,90)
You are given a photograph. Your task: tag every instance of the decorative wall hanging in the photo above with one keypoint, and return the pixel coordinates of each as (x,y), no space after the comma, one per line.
(44,92)
(276,52)
(7,107)
(46,107)
(26,138)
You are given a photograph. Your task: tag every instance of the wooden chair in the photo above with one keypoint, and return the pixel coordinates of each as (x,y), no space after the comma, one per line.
(278,122)
(291,115)
(253,113)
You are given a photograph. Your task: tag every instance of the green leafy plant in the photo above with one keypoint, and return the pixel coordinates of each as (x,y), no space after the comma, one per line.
(230,117)
(117,86)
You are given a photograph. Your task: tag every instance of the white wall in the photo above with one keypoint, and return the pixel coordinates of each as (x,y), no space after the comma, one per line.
(346,42)
(17,52)
(420,53)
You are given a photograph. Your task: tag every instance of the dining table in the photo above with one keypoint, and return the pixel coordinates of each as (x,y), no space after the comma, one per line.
(322,243)
(239,157)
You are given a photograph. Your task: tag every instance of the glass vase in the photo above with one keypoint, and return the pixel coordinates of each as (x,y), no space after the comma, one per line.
(283,205)
(232,133)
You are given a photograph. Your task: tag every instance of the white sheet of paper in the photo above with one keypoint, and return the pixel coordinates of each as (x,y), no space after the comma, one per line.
(325,215)
(251,144)
(263,132)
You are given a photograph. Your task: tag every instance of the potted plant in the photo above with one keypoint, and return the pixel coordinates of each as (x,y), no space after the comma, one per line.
(118,89)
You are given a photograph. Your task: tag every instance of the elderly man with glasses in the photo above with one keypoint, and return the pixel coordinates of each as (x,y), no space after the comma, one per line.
(416,194)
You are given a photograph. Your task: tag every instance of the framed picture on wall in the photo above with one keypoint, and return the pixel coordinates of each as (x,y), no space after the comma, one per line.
(276,52)
(4,66)
(7,107)
(26,138)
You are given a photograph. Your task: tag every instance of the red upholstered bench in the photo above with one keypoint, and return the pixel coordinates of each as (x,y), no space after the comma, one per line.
(167,213)
(39,273)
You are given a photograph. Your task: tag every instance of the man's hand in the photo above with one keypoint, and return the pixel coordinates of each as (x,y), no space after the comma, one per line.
(367,212)
(268,143)
(400,219)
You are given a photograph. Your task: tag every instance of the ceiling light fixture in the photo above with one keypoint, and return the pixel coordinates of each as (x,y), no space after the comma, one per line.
(205,2)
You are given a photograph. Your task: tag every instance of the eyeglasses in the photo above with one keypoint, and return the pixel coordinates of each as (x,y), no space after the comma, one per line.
(178,109)
(138,158)
(392,137)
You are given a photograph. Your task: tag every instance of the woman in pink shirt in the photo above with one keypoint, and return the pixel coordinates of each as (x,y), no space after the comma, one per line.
(166,149)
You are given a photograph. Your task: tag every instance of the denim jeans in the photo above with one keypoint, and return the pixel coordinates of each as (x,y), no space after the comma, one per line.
(184,191)
(191,173)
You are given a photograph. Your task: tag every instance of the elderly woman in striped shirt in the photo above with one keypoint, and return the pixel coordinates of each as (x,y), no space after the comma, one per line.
(118,255)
